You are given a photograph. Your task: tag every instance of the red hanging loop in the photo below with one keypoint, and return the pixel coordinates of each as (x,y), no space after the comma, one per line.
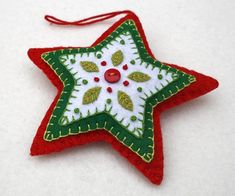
(86,21)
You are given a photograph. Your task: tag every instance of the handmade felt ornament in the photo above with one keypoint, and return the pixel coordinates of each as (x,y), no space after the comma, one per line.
(113,91)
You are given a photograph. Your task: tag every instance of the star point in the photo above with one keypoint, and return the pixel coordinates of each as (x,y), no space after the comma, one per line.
(113,91)
(128,116)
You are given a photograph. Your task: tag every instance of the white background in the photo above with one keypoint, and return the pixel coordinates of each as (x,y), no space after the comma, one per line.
(198,136)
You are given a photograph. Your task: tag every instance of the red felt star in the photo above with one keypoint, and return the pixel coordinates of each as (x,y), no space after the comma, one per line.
(153,170)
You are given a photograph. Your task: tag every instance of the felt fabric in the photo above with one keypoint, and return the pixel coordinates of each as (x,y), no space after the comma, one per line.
(152,169)
(129,52)
(114,102)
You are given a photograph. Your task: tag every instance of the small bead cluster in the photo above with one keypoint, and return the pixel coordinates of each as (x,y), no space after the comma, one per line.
(109,78)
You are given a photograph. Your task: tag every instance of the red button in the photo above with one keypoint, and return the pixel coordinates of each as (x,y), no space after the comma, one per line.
(112,75)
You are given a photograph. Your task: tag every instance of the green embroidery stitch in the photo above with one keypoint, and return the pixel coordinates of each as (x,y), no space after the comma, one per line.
(98,56)
(125,101)
(76,110)
(72,61)
(89,66)
(91,95)
(133,118)
(63,120)
(122,42)
(175,76)
(132,62)
(108,101)
(159,76)
(139,89)
(117,58)
(139,76)
(84,82)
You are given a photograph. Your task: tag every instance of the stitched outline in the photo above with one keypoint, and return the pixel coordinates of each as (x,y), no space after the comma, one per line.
(143,146)
(136,130)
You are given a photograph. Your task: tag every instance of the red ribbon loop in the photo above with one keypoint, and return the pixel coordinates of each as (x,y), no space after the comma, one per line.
(86,21)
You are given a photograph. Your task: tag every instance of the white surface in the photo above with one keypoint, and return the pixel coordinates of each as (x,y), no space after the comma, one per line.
(130,52)
(198,136)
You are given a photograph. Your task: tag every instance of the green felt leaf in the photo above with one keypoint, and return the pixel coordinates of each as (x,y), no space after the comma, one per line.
(125,101)
(89,66)
(91,95)
(138,76)
(117,58)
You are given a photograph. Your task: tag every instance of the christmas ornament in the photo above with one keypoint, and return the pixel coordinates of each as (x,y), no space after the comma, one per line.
(113,91)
